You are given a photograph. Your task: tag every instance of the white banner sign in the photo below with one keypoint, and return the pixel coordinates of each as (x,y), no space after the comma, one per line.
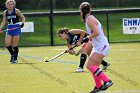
(131,25)
(28,27)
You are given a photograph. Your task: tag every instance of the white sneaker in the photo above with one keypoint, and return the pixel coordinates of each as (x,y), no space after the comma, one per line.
(80,69)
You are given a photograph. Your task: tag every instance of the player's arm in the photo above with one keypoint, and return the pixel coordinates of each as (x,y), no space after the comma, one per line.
(18,12)
(69,45)
(69,50)
(80,32)
(3,20)
(93,26)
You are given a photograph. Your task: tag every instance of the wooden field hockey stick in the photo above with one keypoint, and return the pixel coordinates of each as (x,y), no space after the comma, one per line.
(3,31)
(60,54)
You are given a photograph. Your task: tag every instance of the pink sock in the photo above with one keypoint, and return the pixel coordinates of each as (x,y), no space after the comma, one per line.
(104,77)
(97,72)
(97,81)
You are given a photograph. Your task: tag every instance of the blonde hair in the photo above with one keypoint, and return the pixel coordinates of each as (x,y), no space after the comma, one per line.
(7,1)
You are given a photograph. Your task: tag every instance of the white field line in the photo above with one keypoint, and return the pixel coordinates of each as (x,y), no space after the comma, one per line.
(58,49)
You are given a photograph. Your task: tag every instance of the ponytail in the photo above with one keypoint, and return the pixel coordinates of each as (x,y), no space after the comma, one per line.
(85,9)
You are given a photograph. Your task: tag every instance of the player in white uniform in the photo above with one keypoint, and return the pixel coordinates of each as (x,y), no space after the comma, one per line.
(100,48)
(100,41)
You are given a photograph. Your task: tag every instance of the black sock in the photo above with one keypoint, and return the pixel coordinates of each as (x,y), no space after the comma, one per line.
(10,49)
(16,52)
(104,63)
(82,60)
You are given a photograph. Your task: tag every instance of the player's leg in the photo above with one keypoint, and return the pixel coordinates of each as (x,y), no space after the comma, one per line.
(83,58)
(8,41)
(105,64)
(98,75)
(15,47)
(88,50)
(16,36)
(93,66)
(84,50)
(93,63)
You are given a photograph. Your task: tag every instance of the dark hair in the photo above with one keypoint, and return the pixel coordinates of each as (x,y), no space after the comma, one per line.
(61,31)
(85,8)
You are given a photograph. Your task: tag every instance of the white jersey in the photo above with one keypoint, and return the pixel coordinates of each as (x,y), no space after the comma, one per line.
(100,43)
(101,38)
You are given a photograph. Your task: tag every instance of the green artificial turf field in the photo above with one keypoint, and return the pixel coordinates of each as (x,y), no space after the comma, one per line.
(33,75)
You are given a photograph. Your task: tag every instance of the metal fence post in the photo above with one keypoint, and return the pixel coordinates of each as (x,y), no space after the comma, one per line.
(107,20)
(51,21)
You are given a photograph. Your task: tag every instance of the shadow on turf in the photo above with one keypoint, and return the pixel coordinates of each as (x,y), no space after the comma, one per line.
(27,63)
(80,72)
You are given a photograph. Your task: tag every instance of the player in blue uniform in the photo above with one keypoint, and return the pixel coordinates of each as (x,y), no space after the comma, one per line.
(76,36)
(12,37)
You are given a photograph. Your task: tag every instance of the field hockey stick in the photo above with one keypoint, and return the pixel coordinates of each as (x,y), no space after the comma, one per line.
(2,31)
(78,52)
(58,55)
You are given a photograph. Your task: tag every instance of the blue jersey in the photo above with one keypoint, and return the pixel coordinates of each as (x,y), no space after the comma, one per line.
(12,17)
(73,39)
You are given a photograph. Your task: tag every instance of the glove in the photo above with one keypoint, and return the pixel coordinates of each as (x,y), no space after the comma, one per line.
(85,40)
(71,52)
(22,25)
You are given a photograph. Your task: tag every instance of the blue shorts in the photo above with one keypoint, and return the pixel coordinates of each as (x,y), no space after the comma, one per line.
(15,30)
